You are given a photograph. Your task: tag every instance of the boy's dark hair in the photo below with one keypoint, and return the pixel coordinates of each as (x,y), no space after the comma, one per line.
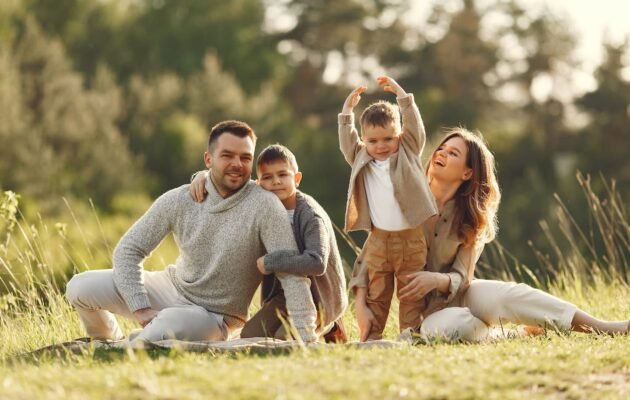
(381,113)
(236,128)
(277,152)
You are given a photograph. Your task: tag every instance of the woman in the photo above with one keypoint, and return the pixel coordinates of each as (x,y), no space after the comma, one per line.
(461,175)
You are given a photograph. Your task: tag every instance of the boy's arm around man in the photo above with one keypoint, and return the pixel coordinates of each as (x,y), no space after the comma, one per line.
(318,258)
(314,244)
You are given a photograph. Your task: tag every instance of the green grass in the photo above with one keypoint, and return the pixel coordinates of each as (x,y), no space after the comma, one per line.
(556,366)
(571,366)
(36,259)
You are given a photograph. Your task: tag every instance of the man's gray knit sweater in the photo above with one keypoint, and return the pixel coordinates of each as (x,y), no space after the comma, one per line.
(219,241)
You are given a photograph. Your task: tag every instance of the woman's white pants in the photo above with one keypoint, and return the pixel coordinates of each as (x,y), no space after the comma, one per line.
(489,303)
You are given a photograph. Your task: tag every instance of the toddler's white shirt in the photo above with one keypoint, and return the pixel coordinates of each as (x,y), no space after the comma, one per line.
(385,211)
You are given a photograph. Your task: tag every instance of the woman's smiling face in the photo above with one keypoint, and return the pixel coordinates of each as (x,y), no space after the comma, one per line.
(448,162)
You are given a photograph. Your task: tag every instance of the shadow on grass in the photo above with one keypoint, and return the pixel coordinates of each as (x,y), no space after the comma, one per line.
(75,352)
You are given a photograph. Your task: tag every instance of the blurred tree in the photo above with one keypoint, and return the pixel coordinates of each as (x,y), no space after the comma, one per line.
(14,121)
(530,80)
(10,11)
(536,50)
(337,42)
(148,120)
(448,73)
(61,138)
(331,46)
(604,145)
(149,37)
(114,90)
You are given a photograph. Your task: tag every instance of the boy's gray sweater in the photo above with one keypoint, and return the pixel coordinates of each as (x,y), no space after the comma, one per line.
(317,257)
(219,241)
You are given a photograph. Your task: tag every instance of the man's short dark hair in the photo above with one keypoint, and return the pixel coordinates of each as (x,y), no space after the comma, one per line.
(236,128)
(277,152)
(381,113)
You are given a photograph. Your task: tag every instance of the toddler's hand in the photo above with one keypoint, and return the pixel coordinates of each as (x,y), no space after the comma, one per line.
(365,319)
(198,187)
(390,85)
(353,99)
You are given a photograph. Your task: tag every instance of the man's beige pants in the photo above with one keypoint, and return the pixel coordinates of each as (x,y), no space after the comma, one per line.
(96,299)
(493,303)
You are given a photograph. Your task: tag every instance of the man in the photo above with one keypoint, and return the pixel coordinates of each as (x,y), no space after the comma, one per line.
(206,294)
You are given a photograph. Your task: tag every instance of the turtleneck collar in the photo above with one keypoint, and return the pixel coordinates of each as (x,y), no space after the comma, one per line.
(218,203)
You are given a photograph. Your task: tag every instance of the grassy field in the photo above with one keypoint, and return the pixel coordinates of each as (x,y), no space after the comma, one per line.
(36,259)
(558,365)
(573,366)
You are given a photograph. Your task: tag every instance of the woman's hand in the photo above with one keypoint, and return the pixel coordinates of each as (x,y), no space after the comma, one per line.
(421,283)
(198,187)
(365,317)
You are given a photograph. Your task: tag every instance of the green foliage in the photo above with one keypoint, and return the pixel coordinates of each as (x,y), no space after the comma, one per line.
(60,138)
(605,148)
(8,210)
(111,98)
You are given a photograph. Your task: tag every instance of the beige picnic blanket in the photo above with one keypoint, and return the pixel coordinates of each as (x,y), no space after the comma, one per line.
(249,345)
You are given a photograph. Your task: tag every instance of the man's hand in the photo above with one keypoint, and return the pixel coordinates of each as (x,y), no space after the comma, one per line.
(144,315)
(260,263)
(353,99)
(198,187)
(390,85)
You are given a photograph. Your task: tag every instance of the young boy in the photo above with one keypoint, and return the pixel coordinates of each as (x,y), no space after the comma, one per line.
(388,196)
(317,260)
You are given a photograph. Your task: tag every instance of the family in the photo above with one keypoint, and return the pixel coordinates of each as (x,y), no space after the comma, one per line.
(427,228)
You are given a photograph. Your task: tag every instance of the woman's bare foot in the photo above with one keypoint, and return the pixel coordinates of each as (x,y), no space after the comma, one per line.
(584,322)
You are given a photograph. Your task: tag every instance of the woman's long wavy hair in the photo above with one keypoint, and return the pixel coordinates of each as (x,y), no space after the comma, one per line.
(477,199)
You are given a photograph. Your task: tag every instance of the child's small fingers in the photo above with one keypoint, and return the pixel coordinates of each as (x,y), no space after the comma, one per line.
(366,331)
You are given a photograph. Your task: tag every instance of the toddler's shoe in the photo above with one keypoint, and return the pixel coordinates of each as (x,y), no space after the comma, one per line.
(337,334)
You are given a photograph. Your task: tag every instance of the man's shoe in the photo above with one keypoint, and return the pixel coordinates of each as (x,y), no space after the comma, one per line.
(337,334)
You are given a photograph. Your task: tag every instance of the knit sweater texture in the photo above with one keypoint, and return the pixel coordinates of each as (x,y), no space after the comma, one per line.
(219,242)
